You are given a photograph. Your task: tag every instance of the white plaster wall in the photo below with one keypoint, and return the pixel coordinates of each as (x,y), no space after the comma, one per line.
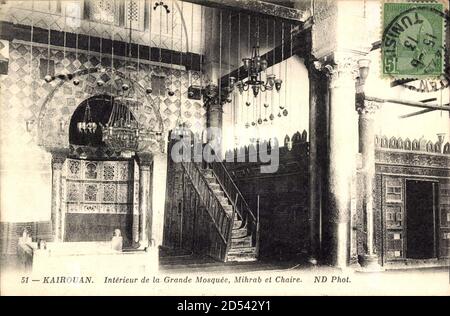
(294,95)
(25,179)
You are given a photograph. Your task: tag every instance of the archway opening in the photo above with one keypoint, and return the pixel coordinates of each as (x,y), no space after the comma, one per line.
(100,111)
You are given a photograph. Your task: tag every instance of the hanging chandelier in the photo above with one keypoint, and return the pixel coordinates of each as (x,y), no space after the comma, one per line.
(121,133)
(254,67)
(87,126)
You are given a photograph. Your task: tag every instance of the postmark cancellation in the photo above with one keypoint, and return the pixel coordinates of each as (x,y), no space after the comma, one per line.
(413,41)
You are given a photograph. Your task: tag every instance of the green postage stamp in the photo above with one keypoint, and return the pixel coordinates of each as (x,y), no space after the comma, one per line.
(413,40)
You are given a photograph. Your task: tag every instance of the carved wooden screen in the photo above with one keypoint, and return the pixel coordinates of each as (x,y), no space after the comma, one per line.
(393,209)
(99,198)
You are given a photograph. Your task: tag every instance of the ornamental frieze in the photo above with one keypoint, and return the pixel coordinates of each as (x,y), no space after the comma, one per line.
(412,159)
(413,171)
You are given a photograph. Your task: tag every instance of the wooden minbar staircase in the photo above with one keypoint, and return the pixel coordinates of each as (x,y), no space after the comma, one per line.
(241,246)
(235,224)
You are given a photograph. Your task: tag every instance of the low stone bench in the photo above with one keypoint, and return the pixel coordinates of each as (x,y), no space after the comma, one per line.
(92,257)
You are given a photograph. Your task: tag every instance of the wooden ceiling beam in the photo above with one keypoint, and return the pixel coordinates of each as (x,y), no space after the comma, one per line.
(18,32)
(258,7)
(416,113)
(444,107)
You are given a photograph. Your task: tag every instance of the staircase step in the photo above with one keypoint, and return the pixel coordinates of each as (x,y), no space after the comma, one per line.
(219,193)
(228,208)
(239,233)
(215,186)
(237,223)
(241,242)
(242,251)
(242,254)
(223,200)
(244,258)
(210,179)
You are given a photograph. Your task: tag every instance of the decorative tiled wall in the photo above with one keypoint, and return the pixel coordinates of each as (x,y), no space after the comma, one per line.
(179,30)
(24,94)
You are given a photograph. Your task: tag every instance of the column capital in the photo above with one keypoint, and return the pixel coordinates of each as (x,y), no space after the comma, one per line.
(58,159)
(145,160)
(211,97)
(340,68)
(367,107)
(214,98)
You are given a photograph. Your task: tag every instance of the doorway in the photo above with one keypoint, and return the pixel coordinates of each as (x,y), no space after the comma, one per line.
(420,219)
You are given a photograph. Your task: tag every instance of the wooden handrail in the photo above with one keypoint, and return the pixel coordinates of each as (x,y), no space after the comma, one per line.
(231,188)
(223,223)
(193,172)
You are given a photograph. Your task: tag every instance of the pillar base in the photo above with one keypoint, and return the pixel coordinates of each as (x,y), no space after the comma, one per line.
(312,261)
(369,263)
(354,264)
(143,244)
(135,245)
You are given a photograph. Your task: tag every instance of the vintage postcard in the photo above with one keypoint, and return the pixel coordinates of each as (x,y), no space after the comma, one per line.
(206,147)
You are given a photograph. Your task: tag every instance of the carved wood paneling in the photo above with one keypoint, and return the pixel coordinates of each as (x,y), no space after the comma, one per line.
(99,187)
(393,205)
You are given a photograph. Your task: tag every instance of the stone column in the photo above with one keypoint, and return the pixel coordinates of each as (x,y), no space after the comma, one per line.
(214,111)
(366,111)
(212,65)
(56,216)
(159,195)
(214,117)
(136,206)
(342,159)
(145,162)
(317,104)
(212,50)
(339,50)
